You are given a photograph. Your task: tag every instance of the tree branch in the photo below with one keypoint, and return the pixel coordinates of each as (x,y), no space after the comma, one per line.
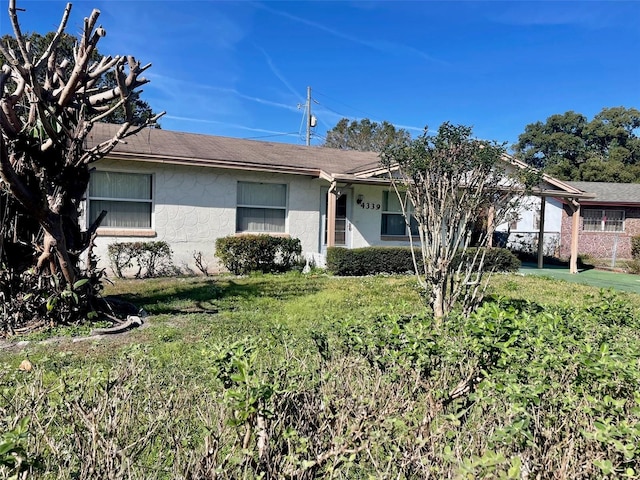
(54,42)
(99,151)
(13,15)
(82,55)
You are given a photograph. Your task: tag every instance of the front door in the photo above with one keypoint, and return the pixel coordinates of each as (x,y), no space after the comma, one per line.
(342,236)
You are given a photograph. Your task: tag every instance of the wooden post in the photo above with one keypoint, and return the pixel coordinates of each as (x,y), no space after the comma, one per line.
(543,203)
(331,216)
(575,230)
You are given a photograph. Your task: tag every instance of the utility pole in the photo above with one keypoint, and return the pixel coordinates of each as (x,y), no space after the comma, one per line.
(308,116)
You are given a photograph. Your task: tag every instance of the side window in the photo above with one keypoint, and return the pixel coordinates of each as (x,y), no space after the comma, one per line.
(393,222)
(261,207)
(596,220)
(127,197)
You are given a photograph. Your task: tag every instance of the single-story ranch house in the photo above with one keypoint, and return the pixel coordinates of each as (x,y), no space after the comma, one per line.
(609,219)
(190,189)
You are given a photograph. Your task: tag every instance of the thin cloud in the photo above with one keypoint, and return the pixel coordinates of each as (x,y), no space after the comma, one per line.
(409,127)
(168,84)
(320,112)
(573,13)
(277,73)
(226,124)
(384,47)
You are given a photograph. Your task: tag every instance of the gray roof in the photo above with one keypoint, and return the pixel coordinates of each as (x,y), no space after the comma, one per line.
(610,192)
(178,147)
(166,146)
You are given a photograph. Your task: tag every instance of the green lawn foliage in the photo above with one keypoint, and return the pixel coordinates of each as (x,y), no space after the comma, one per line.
(309,376)
(244,254)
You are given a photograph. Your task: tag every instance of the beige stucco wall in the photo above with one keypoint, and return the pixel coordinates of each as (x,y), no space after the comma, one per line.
(192,206)
(367,218)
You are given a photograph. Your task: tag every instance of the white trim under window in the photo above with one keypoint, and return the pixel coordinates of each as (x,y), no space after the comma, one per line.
(393,222)
(600,220)
(261,207)
(127,198)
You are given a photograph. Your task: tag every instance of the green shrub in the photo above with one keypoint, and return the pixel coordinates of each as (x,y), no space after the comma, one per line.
(495,259)
(258,253)
(585,260)
(633,266)
(374,260)
(153,259)
(635,247)
(370,260)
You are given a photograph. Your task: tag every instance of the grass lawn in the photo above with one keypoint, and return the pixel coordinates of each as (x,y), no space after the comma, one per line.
(310,376)
(597,278)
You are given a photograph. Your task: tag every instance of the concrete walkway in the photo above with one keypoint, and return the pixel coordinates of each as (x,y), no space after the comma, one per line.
(597,278)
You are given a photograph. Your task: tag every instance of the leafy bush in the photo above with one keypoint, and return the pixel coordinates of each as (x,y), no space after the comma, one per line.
(374,260)
(633,266)
(495,259)
(153,259)
(370,260)
(13,451)
(259,253)
(31,302)
(635,247)
(308,378)
(585,260)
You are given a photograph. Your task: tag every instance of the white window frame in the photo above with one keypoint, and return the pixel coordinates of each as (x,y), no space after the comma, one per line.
(599,220)
(149,201)
(386,212)
(273,207)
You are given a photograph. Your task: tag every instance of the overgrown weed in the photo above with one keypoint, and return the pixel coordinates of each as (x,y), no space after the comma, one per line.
(346,378)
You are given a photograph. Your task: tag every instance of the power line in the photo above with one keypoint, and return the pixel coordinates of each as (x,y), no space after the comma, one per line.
(346,105)
(269,136)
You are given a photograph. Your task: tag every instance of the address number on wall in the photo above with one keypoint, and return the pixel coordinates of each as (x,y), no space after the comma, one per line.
(370,206)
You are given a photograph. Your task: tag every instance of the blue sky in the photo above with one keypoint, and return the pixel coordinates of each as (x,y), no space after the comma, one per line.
(241,69)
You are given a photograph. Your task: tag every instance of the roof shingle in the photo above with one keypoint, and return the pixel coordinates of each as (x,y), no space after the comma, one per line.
(610,192)
(166,144)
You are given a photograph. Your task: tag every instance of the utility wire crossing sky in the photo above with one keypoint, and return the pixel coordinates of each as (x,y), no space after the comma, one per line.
(241,69)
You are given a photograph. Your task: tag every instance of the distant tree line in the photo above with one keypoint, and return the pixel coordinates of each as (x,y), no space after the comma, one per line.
(365,135)
(570,147)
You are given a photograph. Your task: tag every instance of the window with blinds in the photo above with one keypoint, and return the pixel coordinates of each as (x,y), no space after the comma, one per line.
(598,220)
(393,222)
(261,207)
(127,198)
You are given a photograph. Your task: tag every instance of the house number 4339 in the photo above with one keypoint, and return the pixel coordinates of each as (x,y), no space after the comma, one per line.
(370,206)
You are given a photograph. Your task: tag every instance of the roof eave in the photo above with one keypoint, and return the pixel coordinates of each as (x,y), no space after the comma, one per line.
(225,164)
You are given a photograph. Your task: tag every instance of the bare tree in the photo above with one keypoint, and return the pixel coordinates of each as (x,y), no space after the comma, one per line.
(48,107)
(454,190)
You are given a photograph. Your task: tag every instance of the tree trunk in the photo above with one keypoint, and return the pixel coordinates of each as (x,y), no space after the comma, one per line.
(438,306)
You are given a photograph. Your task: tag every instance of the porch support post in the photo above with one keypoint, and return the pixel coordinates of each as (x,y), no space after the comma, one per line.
(331,215)
(543,203)
(575,230)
